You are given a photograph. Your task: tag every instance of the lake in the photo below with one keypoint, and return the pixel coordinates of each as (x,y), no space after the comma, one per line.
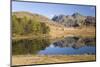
(71,45)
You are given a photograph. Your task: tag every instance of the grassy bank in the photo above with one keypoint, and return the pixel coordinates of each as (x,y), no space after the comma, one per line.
(39,59)
(83,32)
(57,33)
(32,36)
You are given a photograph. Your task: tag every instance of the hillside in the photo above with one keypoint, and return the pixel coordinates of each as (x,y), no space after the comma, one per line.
(75,20)
(29,15)
(60,26)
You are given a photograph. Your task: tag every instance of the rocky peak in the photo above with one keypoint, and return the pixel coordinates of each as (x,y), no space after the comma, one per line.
(76,14)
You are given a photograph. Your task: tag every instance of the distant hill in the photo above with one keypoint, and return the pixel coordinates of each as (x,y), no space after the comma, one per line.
(74,20)
(22,14)
(60,26)
(38,17)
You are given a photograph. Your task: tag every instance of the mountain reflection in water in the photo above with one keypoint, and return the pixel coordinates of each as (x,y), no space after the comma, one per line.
(44,46)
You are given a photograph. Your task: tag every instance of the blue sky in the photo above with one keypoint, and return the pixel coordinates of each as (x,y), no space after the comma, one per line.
(50,10)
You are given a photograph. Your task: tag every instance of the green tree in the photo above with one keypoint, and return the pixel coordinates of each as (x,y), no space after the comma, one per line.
(25,25)
(15,25)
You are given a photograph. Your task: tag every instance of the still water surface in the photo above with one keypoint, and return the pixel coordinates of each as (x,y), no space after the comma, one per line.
(71,45)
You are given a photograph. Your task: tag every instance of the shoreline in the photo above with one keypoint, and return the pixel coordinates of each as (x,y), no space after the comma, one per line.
(54,34)
(44,59)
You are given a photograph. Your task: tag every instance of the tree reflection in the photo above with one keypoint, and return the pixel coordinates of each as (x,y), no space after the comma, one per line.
(27,46)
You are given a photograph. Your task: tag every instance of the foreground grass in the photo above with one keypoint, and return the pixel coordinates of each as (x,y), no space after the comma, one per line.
(39,59)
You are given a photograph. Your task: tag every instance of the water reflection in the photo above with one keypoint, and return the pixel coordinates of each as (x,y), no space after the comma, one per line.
(75,42)
(29,46)
(67,45)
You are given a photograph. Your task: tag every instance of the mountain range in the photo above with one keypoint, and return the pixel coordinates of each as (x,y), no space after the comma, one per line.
(74,20)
